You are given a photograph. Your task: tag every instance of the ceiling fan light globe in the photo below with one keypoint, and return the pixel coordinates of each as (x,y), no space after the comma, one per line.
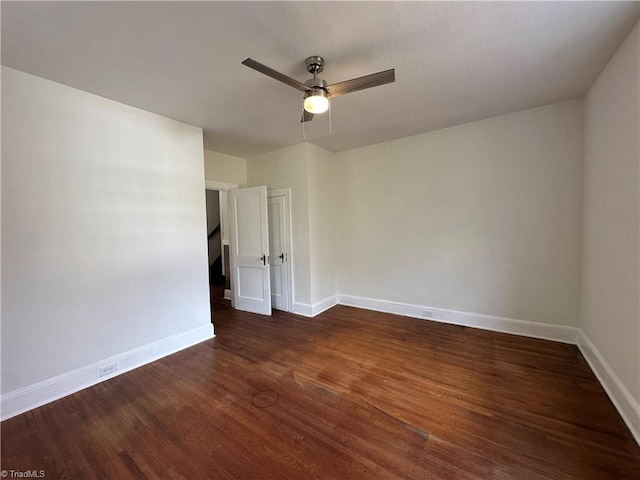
(316,104)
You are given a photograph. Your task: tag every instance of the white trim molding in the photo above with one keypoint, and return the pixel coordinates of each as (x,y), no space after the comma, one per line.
(303,309)
(627,406)
(221,186)
(311,310)
(546,331)
(46,391)
(324,304)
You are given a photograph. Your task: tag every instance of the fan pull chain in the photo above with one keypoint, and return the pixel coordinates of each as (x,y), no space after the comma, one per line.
(303,135)
(329,120)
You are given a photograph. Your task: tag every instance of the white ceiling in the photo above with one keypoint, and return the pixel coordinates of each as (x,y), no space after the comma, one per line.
(455,62)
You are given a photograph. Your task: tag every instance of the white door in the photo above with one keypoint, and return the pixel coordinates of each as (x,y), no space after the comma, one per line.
(249,245)
(278,253)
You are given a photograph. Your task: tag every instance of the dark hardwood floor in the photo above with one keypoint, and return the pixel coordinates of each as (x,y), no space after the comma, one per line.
(348,394)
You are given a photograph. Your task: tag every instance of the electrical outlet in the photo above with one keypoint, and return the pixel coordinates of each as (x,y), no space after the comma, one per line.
(108,369)
(427,313)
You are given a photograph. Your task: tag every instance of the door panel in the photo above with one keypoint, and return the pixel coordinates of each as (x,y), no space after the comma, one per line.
(278,253)
(248,215)
(250,283)
(249,246)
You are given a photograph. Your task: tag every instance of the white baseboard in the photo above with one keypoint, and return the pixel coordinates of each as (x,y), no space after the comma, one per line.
(311,310)
(227,294)
(46,391)
(546,331)
(323,305)
(303,309)
(627,406)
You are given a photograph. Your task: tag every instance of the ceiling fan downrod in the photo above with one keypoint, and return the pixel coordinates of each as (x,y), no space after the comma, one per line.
(315,65)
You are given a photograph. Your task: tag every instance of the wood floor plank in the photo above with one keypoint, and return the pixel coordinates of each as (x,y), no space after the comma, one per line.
(347,394)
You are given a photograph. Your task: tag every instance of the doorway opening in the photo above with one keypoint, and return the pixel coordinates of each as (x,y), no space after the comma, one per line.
(277,257)
(218,242)
(214,239)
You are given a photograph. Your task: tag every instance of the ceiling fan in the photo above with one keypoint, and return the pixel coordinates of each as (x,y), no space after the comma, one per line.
(316,91)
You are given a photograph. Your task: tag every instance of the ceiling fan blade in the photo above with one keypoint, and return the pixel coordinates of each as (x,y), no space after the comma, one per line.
(360,83)
(281,77)
(306,116)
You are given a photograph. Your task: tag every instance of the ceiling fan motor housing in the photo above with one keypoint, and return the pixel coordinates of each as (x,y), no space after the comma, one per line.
(316,84)
(318,88)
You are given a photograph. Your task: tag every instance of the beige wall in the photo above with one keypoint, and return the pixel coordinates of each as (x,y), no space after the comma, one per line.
(323,207)
(482,218)
(611,272)
(225,168)
(103,235)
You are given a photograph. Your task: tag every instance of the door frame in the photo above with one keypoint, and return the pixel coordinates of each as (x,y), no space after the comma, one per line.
(286,193)
(222,187)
